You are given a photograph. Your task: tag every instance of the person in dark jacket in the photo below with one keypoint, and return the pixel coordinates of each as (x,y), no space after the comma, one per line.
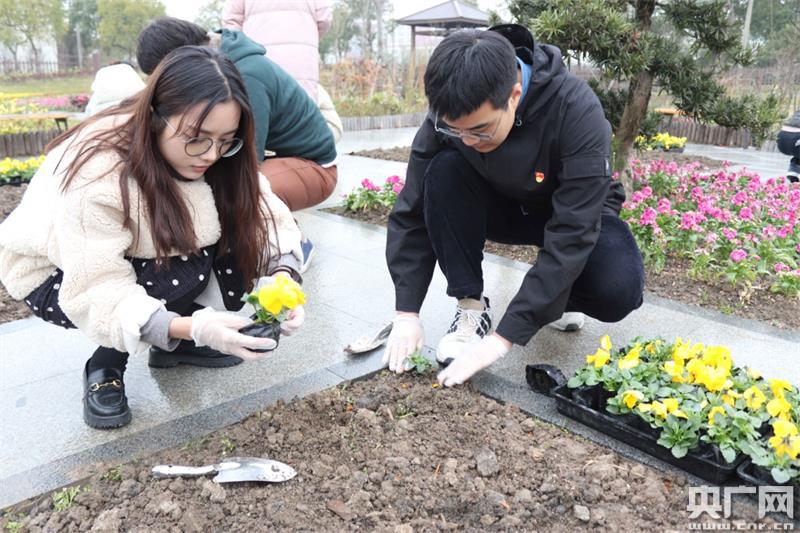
(516,150)
(302,166)
(789,143)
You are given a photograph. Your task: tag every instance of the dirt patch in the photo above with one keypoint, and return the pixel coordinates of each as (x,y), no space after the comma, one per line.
(10,309)
(673,282)
(387,454)
(402,153)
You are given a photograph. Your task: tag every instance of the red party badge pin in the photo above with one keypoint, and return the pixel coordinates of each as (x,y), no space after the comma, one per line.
(539,177)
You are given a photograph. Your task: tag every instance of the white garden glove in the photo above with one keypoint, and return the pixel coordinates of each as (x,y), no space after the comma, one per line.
(294,319)
(474,358)
(406,337)
(219,330)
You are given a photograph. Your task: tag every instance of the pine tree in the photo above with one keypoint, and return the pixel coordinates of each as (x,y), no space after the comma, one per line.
(677,46)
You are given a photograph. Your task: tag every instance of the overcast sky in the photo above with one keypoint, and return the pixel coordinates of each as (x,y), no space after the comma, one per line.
(187,9)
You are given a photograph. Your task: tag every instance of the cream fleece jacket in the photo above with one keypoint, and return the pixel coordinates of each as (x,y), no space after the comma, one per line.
(81,233)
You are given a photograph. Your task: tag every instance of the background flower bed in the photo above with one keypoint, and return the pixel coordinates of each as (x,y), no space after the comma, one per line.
(381,453)
(22,103)
(676,276)
(730,226)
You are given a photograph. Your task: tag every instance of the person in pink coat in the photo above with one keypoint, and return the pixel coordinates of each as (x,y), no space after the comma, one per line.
(290,30)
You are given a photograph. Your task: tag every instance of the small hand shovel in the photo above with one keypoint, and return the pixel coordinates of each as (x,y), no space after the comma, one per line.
(232,469)
(367,344)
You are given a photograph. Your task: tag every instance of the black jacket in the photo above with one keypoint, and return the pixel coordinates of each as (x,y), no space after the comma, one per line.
(560,131)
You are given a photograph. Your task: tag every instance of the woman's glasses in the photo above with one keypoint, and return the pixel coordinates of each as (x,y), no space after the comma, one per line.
(197,146)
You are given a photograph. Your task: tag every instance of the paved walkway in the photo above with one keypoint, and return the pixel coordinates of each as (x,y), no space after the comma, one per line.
(45,443)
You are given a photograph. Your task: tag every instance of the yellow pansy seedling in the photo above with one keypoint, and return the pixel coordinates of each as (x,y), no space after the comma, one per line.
(785,441)
(605,343)
(631,397)
(273,301)
(779,407)
(754,398)
(778,386)
(716,410)
(630,360)
(599,359)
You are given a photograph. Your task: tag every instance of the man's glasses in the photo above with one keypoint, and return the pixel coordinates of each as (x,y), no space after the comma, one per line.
(197,146)
(470,136)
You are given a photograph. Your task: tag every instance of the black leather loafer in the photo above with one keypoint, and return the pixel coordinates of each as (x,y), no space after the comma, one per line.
(188,354)
(104,403)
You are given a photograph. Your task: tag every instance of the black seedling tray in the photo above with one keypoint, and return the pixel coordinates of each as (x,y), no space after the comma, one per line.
(756,476)
(706,463)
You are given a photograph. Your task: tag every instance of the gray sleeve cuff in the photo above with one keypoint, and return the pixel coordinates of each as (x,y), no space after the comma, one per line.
(156,330)
(290,262)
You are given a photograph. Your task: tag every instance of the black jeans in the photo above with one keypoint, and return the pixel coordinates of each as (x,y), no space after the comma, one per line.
(788,143)
(105,357)
(462,211)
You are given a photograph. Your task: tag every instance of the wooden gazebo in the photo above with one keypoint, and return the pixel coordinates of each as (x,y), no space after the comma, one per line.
(442,19)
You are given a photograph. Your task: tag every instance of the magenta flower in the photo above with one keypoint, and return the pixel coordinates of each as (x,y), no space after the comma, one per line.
(648,217)
(781,267)
(738,255)
(397,187)
(393,180)
(368,185)
(746,213)
(729,233)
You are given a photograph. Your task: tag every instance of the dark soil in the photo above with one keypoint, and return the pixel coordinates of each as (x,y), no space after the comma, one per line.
(401,153)
(10,309)
(386,454)
(673,282)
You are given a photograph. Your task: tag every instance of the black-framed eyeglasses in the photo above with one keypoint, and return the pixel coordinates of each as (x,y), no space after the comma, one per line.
(471,136)
(197,146)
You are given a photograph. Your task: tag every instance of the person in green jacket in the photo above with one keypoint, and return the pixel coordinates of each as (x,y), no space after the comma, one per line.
(301,166)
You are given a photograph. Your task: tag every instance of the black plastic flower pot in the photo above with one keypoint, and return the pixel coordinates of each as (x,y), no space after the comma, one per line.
(587,395)
(271,330)
(16,181)
(639,434)
(758,476)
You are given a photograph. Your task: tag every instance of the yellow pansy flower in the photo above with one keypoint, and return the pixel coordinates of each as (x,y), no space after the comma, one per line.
(718,356)
(778,386)
(675,370)
(785,441)
(660,409)
(600,358)
(631,397)
(713,378)
(754,398)
(779,407)
(717,409)
(605,343)
(630,360)
(650,348)
(281,293)
(672,407)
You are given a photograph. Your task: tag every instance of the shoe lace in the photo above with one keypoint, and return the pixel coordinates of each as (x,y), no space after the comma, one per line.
(467,322)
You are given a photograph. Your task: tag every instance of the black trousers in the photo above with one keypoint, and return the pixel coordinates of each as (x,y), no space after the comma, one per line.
(788,142)
(105,357)
(462,211)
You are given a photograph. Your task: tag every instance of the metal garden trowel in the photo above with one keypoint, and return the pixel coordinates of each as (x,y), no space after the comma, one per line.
(232,469)
(368,343)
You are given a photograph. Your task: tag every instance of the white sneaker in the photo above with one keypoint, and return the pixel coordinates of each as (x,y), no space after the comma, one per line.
(469,326)
(568,322)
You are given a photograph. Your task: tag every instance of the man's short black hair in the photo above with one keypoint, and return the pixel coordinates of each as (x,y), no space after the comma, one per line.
(164,35)
(468,68)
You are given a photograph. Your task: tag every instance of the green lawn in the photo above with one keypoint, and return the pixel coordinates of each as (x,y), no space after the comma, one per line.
(49,86)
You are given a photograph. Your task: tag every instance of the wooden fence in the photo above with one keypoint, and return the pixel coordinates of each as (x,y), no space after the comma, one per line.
(31,143)
(717,135)
(411,120)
